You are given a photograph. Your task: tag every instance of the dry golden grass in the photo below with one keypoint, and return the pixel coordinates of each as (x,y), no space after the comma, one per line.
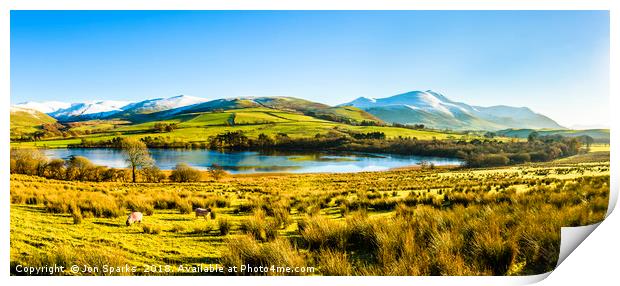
(497,221)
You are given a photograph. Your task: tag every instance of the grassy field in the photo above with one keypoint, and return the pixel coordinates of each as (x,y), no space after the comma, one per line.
(498,221)
(599,148)
(198,127)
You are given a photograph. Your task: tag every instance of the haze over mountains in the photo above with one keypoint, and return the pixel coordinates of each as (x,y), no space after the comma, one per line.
(417,107)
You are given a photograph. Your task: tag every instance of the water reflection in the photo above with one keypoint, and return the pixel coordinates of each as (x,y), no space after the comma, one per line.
(254,162)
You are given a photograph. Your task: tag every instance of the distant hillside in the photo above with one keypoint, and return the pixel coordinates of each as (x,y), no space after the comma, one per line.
(599,135)
(287,104)
(319,110)
(405,115)
(437,111)
(24,120)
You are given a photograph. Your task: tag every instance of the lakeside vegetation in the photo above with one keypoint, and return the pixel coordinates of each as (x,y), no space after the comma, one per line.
(497,221)
(475,153)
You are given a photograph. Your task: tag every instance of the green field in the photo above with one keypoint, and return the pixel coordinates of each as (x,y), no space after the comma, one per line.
(198,127)
(498,221)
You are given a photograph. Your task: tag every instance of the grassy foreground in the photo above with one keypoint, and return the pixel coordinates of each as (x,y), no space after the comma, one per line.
(499,221)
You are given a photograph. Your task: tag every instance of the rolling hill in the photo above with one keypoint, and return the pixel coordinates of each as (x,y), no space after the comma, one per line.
(24,120)
(437,111)
(197,127)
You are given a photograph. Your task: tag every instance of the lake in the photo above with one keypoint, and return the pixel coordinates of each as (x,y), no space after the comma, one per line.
(255,162)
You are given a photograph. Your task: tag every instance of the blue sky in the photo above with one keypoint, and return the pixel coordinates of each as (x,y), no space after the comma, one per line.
(555,62)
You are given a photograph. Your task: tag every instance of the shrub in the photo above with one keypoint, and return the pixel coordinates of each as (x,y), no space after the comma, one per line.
(78,168)
(520,158)
(184,173)
(27,161)
(488,160)
(152,174)
(216,171)
(55,169)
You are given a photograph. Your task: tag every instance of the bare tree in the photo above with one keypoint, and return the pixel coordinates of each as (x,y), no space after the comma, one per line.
(137,155)
(216,171)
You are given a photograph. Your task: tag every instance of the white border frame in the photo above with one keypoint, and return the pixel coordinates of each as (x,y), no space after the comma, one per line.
(584,268)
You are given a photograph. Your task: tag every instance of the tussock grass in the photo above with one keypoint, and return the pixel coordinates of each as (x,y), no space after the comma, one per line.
(503,221)
(150,229)
(260,227)
(333,263)
(203,229)
(245,250)
(224,226)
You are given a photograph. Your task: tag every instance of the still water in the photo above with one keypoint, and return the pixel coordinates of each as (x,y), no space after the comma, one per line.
(255,162)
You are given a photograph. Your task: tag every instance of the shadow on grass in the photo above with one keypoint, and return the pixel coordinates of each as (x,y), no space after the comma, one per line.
(176,219)
(31,208)
(110,224)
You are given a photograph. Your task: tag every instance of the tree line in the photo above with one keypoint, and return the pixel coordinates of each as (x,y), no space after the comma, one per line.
(140,167)
(482,152)
(475,153)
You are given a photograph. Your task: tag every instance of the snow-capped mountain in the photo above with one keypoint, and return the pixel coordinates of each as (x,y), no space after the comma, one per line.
(89,110)
(417,107)
(45,107)
(435,110)
(161,104)
(109,108)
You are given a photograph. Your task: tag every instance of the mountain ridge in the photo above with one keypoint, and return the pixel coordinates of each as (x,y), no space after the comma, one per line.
(429,108)
(437,111)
